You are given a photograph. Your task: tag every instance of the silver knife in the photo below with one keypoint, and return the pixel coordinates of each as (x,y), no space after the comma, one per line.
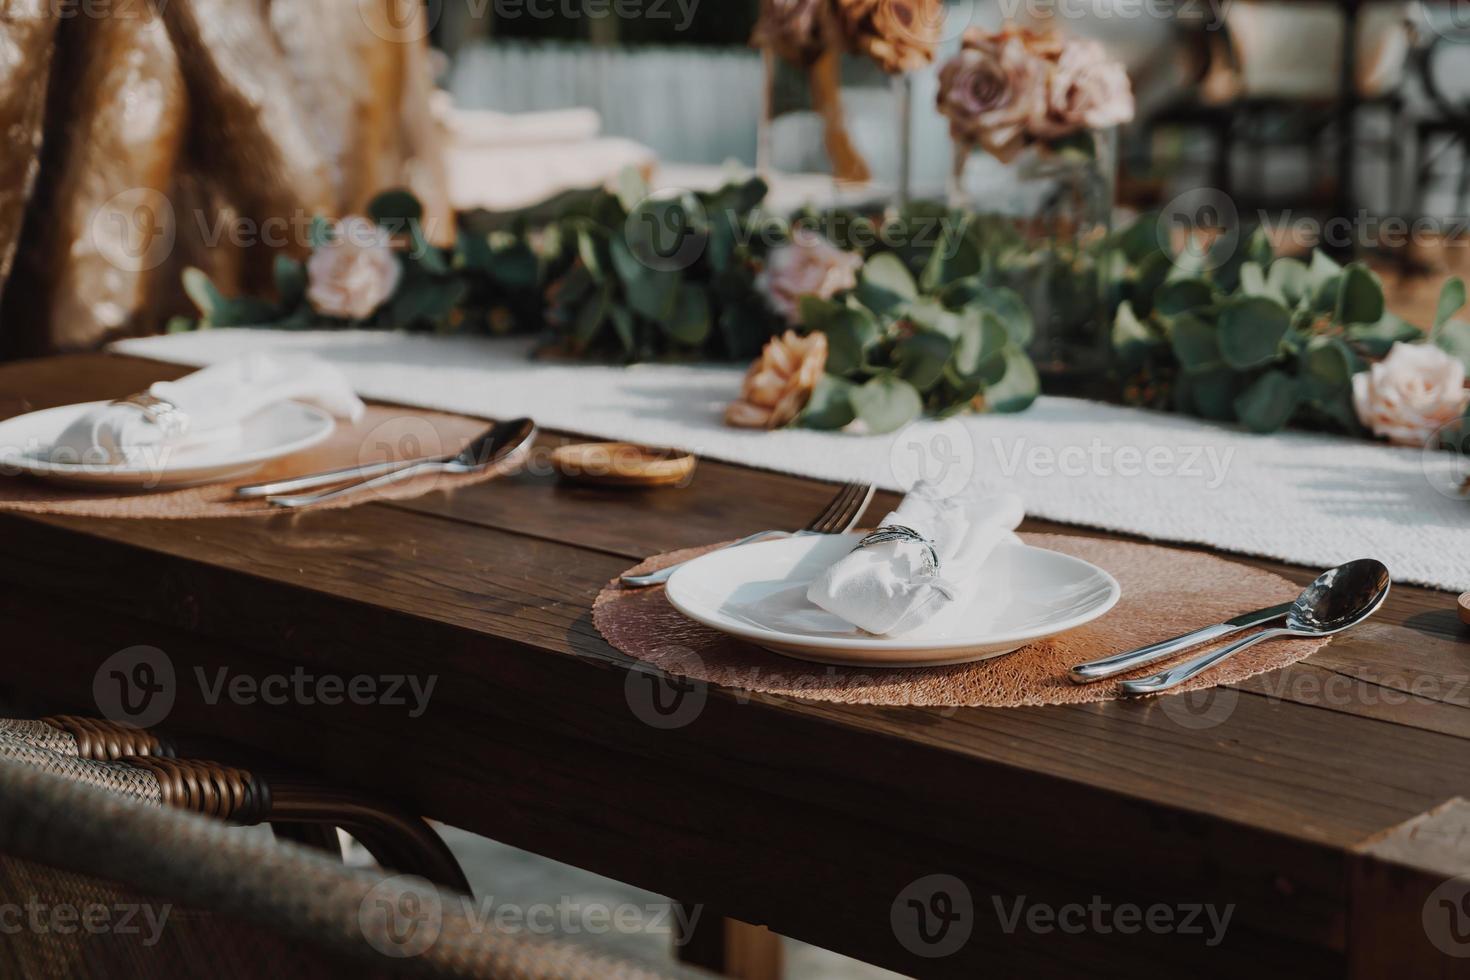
(1121,663)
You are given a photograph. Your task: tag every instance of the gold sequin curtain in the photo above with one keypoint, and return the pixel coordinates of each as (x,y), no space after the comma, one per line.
(139,139)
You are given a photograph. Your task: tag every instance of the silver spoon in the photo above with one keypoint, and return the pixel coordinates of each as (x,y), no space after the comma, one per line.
(496,443)
(1339,598)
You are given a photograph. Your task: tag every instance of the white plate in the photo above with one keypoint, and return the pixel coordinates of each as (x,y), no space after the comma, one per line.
(281,429)
(758,593)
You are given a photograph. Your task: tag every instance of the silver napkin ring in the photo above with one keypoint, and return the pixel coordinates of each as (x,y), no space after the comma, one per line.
(897,532)
(171,419)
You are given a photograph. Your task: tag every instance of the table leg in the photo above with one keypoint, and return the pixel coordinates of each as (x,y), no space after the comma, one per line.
(728,947)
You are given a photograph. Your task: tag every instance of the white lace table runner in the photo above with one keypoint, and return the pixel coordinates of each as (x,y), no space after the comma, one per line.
(1313,500)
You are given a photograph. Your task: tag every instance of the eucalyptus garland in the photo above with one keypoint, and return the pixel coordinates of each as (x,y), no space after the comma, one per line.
(1234,333)
(630,276)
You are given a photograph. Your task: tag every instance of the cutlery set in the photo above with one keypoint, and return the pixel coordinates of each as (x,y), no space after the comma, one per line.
(1337,600)
(496,444)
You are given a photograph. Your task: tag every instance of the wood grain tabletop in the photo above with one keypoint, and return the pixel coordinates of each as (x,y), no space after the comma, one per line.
(1319,803)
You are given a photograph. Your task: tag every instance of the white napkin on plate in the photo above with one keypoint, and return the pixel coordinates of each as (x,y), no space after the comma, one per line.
(214,401)
(893,587)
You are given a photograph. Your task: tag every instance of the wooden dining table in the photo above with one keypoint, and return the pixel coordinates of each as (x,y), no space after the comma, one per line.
(1320,807)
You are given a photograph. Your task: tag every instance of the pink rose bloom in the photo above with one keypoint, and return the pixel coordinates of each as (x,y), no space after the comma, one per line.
(1409,394)
(1087,90)
(809,266)
(355,273)
(990,92)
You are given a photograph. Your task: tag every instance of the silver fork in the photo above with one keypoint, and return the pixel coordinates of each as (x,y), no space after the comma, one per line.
(838,517)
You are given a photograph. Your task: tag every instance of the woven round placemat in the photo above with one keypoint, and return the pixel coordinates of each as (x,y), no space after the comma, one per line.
(1165,592)
(384,432)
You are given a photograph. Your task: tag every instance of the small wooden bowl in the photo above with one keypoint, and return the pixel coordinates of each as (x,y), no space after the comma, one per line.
(1464,605)
(622,464)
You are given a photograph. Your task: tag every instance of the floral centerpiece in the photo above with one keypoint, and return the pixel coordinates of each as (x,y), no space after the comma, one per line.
(1032,117)
(898,36)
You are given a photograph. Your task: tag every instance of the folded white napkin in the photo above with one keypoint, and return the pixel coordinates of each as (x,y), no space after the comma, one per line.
(893,586)
(212,402)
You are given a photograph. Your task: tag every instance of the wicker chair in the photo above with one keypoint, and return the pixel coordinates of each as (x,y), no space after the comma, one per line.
(299,809)
(200,900)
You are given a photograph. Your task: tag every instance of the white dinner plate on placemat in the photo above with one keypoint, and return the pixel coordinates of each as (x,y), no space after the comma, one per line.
(280,430)
(758,592)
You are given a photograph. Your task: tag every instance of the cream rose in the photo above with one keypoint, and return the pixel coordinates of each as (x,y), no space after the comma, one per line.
(780,382)
(1410,393)
(1087,90)
(991,92)
(355,273)
(809,266)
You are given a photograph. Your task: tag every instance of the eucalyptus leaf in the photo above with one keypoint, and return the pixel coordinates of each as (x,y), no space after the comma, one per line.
(1269,402)
(982,334)
(1290,279)
(289,276)
(921,357)
(1453,337)
(849,332)
(1250,331)
(830,406)
(1360,296)
(1183,295)
(396,210)
(885,283)
(886,403)
(690,321)
(1451,299)
(622,322)
(1196,343)
(1211,394)
(1018,387)
(1377,338)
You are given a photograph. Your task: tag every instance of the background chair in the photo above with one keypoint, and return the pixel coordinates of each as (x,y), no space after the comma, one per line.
(296,807)
(203,900)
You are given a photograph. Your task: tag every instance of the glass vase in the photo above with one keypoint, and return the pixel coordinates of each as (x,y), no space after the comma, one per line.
(1048,216)
(837,117)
